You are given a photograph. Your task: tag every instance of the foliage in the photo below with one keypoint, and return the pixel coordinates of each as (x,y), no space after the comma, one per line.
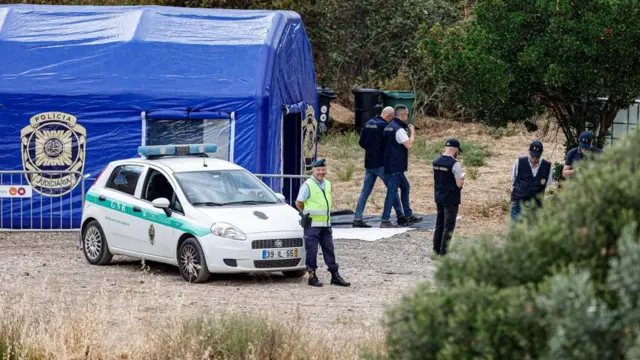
(345,172)
(564,285)
(515,59)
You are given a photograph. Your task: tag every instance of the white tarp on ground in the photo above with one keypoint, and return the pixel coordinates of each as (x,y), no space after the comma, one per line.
(367,234)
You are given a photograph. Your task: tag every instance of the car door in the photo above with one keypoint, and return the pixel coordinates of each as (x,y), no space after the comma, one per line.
(159,229)
(117,199)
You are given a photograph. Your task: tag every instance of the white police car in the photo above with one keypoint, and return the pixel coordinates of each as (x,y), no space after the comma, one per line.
(178,206)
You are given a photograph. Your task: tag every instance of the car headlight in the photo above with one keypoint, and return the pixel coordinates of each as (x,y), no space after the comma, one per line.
(227,231)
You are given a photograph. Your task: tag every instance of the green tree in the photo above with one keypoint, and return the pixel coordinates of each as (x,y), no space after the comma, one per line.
(517,58)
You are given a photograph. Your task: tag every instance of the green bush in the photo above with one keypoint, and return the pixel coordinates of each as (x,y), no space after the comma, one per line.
(564,285)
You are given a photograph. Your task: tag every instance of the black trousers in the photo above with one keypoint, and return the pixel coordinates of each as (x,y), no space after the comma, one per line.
(445,224)
(322,236)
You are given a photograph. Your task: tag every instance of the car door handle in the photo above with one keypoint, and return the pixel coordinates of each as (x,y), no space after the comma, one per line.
(136,209)
(102,198)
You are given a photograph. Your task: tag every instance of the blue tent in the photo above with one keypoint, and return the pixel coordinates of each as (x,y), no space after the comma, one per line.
(84,85)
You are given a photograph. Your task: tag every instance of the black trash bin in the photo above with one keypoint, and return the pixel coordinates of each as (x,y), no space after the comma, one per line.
(369,103)
(325,95)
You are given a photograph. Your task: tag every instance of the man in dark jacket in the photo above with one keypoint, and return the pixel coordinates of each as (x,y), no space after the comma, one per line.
(397,143)
(448,181)
(531,176)
(371,141)
(576,154)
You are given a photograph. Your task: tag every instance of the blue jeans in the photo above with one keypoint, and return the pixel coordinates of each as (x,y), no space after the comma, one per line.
(395,181)
(370,177)
(515,210)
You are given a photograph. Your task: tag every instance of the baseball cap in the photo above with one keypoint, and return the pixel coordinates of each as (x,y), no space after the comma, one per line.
(585,139)
(453,143)
(536,148)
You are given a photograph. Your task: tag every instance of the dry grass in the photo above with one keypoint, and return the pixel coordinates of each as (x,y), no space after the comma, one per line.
(488,163)
(73,331)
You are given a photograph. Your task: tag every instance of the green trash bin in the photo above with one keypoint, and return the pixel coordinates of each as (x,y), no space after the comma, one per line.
(397,97)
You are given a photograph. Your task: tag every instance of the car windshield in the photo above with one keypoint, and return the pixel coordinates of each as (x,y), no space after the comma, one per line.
(224,187)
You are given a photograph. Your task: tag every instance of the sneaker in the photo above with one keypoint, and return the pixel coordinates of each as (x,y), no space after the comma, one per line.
(387,224)
(360,224)
(402,221)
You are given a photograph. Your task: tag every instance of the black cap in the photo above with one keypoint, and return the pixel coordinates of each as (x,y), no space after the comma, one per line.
(453,143)
(536,148)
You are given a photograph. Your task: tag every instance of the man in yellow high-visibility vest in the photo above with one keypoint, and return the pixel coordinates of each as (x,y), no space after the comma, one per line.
(314,203)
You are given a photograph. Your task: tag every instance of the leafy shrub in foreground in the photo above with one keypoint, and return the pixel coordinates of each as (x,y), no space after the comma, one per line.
(565,284)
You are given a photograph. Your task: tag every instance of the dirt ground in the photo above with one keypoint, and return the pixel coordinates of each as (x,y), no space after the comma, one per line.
(40,270)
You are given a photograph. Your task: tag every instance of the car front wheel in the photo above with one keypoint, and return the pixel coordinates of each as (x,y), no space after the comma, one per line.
(94,244)
(193,266)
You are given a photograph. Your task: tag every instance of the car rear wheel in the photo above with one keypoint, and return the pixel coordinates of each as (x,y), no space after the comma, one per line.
(193,266)
(294,273)
(94,244)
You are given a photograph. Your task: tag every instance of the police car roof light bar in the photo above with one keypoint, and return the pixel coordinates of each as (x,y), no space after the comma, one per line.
(176,150)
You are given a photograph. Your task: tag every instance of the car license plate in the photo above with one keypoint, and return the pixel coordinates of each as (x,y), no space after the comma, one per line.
(280,253)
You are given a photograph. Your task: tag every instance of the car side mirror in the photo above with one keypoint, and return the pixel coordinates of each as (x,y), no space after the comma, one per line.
(281,197)
(162,203)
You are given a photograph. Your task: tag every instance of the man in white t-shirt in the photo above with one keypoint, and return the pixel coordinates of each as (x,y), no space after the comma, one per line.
(396,161)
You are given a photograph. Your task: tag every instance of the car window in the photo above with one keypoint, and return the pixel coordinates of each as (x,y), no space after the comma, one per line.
(158,186)
(215,188)
(125,178)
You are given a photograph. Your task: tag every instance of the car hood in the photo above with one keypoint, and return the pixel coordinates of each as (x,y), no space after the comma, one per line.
(251,219)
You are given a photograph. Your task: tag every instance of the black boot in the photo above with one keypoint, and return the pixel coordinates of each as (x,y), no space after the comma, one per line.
(313,279)
(336,279)
(360,224)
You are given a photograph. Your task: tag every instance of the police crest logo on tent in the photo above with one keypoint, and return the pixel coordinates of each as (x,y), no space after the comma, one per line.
(53,141)
(309,128)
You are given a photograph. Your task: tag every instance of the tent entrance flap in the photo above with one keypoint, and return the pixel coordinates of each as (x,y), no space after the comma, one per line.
(292,159)
(164,127)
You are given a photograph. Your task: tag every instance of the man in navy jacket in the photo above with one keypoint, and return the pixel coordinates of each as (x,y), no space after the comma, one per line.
(371,140)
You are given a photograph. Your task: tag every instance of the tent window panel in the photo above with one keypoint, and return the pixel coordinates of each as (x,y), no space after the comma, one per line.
(177,132)
(172,132)
(218,132)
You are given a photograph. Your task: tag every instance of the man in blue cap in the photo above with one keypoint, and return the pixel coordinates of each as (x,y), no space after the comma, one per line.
(314,202)
(576,154)
(448,181)
(530,178)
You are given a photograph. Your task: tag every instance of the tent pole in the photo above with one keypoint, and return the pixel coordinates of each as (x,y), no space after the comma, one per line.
(143,115)
(233,136)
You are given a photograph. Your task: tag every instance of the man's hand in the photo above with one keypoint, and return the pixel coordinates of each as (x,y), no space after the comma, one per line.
(568,171)
(412,130)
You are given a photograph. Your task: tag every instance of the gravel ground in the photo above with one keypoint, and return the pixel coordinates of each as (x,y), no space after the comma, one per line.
(41,269)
